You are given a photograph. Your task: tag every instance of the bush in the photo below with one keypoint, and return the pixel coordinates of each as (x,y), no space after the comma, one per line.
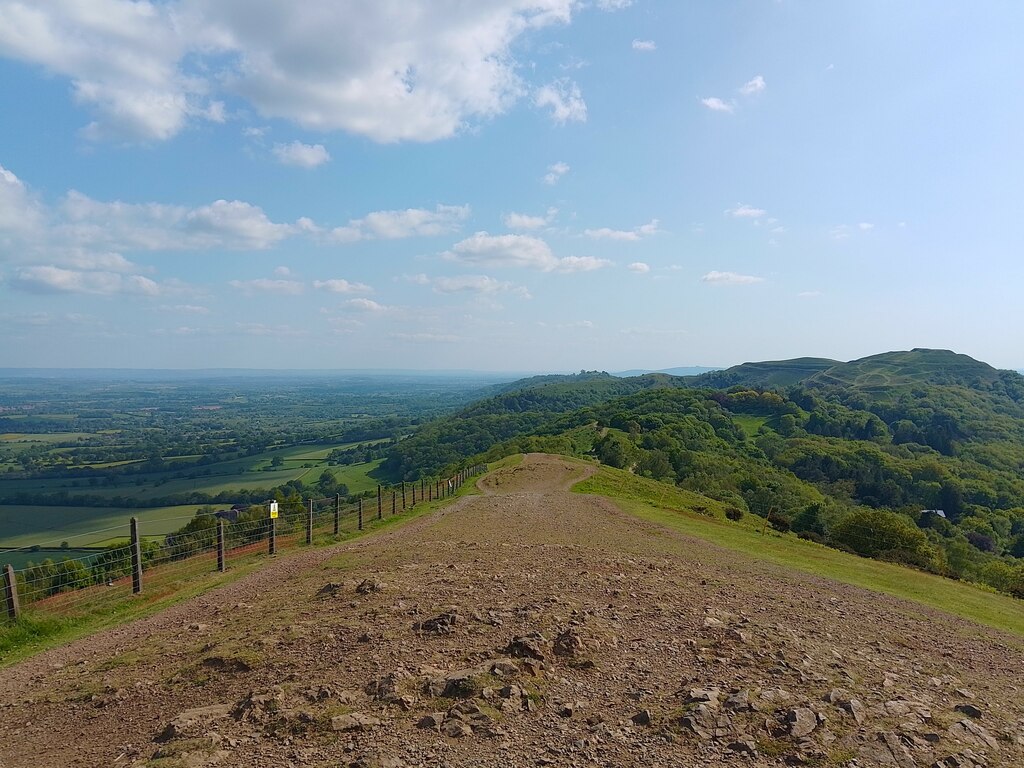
(734,513)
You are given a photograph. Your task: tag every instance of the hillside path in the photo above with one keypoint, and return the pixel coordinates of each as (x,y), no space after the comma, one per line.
(525,626)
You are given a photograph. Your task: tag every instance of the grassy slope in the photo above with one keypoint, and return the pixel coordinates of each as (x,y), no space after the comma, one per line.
(674,508)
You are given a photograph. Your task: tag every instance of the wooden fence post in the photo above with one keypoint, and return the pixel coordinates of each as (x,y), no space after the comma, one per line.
(414,494)
(309,523)
(394,501)
(380,507)
(403,495)
(11,591)
(360,514)
(272,537)
(337,513)
(221,564)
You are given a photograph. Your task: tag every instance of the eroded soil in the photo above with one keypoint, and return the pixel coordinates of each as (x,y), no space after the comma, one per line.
(524,626)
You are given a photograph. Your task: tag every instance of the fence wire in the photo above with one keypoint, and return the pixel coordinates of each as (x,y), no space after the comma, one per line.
(100,579)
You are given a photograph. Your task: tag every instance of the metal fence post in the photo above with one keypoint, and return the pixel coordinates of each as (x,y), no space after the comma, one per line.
(309,523)
(221,563)
(136,548)
(360,514)
(11,591)
(337,513)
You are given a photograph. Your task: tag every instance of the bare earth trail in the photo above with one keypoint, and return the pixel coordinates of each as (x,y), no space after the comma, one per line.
(525,626)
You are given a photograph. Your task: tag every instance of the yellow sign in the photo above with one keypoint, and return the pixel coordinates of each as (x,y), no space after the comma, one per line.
(273,510)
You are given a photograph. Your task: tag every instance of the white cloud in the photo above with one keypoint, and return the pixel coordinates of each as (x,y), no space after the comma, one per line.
(840,232)
(743,211)
(565,99)
(393,225)
(282,271)
(644,45)
(339,285)
(753,86)
(523,221)
(50,279)
(865,226)
(483,249)
(715,104)
(265,285)
(234,225)
(730,278)
(604,233)
(20,214)
(477,284)
(386,71)
(613,5)
(301,155)
(366,305)
(555,172)
(504,251)
(639,267)
(582,264)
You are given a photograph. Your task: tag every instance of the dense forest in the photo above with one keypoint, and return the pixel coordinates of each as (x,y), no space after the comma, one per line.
(915,457)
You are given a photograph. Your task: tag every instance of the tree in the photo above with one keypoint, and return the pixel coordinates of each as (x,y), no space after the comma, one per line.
(884,535)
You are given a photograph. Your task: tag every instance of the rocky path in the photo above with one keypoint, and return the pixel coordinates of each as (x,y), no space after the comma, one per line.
(526,626)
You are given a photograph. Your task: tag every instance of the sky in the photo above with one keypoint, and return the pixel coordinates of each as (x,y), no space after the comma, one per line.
(528,185)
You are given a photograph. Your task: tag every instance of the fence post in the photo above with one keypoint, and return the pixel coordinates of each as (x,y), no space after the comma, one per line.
(360,513)
(380,506)
(337,513)
(136,548)
(309,523)
(272,537)
(403,495)
(11,591)
(414,494)
(394,501)
(221,564)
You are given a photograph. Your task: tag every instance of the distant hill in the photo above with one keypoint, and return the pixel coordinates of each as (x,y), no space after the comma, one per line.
(693,370)
(902,369)
(771,373)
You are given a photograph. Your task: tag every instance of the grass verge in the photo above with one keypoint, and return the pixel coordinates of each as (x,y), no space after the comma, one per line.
(679,510)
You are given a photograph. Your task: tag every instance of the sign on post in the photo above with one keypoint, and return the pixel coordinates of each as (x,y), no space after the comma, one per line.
(273,510)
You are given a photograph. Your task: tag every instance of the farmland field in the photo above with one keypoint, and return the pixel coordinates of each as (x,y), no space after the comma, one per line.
(79,456)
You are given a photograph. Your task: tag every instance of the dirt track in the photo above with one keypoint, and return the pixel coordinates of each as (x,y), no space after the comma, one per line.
(733,661)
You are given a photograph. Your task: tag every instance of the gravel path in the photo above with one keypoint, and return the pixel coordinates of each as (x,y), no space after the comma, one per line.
(525,626)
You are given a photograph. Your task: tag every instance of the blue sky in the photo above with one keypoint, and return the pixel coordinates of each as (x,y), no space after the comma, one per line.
(508,184)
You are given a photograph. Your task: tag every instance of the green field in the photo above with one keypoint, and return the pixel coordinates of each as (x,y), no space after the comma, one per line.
(676,509)
(29,525)
(26,526)
(251,472)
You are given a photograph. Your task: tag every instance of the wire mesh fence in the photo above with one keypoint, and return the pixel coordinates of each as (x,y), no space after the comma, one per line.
(160,564)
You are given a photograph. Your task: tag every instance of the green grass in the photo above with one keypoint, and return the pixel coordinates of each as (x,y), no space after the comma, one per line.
(673,508)
(749,424)
(26,526)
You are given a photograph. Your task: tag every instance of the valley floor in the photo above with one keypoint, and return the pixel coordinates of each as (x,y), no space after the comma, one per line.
(525,626)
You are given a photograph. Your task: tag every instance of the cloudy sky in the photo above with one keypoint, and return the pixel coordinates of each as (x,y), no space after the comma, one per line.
(508,184)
